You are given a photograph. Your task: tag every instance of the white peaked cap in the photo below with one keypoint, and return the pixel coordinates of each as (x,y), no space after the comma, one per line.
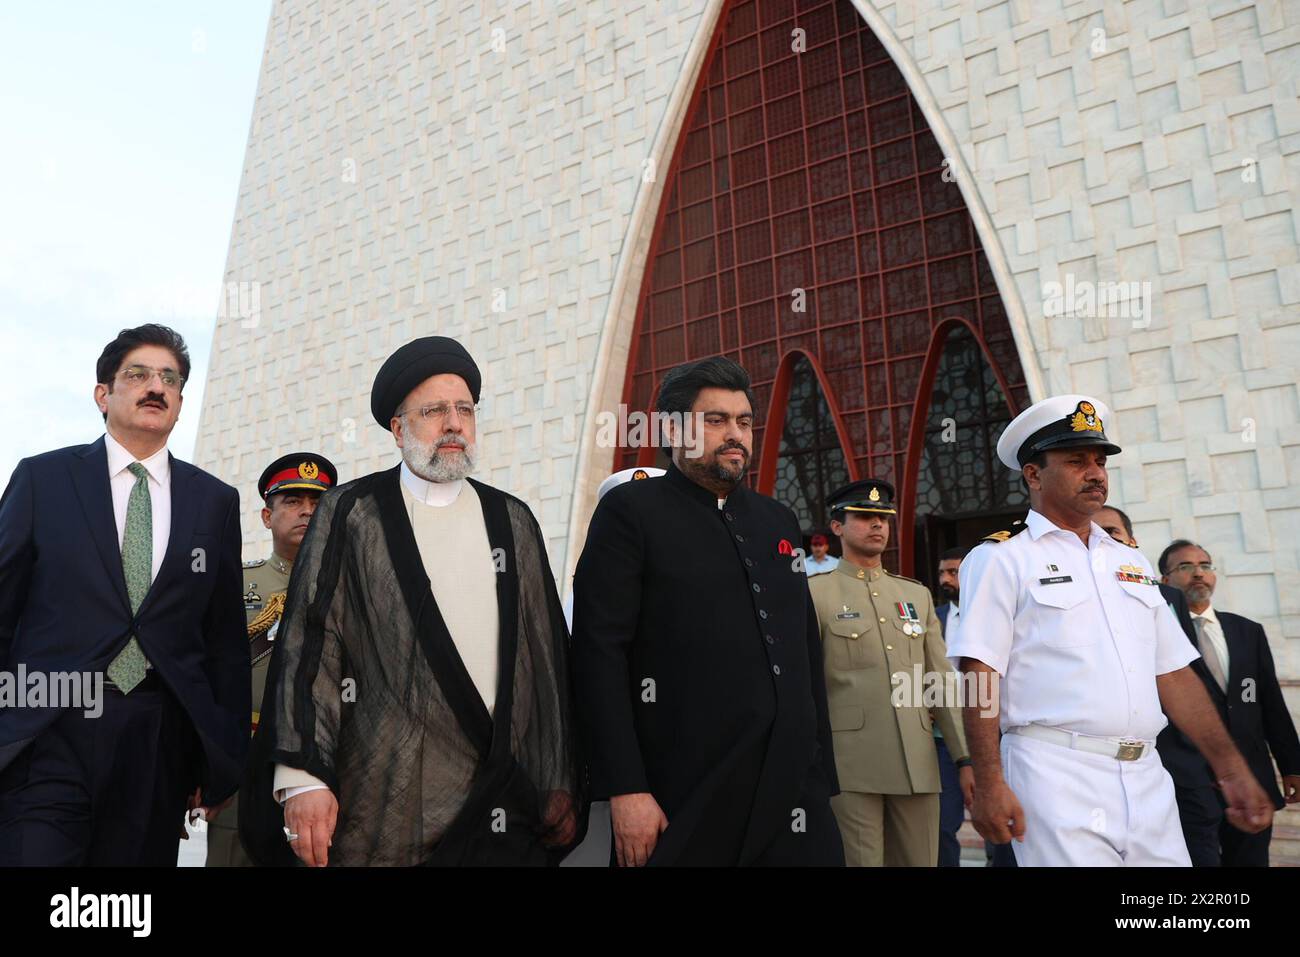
(1058,422)
(627,475)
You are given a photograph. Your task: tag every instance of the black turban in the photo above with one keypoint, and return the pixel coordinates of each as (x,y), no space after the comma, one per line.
(412,364)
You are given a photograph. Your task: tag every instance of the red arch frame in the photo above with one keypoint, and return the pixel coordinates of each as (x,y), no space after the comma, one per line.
(902,459)
(774,422)
(920,414)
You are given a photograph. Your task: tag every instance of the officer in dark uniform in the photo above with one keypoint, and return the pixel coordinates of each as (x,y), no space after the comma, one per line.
(290,487)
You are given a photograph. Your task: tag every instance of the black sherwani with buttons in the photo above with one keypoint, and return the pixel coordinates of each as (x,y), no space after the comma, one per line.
(699,676)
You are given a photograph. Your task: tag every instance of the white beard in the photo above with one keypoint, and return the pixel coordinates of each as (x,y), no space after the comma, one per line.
(424,460)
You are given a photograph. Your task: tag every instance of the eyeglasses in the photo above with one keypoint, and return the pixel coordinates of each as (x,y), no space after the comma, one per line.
(140,376)
(1186,568)
(440,410)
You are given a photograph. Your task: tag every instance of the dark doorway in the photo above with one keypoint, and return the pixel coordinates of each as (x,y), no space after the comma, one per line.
(963,491)
(811,463)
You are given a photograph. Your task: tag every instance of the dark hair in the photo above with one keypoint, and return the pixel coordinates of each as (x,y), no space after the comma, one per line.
(682,384)
(954,554)
(1175,545)
(1123,517)
(150,334)
(1039,459)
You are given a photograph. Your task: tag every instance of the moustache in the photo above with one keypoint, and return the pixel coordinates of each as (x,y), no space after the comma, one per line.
(732,447)
(153,398)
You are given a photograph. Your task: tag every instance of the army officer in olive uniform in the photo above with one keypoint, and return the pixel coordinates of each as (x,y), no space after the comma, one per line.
(883,649)
(290,488)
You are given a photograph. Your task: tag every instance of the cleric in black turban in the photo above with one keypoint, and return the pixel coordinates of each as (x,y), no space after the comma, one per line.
(418,707)
(412,364)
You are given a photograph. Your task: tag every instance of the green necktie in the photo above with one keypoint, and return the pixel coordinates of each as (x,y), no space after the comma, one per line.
(128,668)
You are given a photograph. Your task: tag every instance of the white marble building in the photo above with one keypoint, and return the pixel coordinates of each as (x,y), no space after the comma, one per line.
(495,172)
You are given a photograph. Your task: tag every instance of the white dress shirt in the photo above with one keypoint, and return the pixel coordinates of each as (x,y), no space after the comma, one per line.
(1078,646)
(952,623)
(1212,630)
(121,481)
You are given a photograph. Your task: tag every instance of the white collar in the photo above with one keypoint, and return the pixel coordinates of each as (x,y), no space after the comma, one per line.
(1208,614)
(437,494)
(1039,525)
(157,465)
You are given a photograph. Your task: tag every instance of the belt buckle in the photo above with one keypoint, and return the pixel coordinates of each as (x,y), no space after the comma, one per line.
(1130,749)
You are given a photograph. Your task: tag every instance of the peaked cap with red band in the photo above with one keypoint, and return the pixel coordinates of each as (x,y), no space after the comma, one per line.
(303,471)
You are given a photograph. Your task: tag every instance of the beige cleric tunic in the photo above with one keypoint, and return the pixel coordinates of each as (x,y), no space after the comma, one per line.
(265,583)
(875,625)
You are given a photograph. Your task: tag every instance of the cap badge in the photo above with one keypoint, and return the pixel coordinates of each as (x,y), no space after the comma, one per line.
(308,470)
(874,494)
(639,474)
(1085,418)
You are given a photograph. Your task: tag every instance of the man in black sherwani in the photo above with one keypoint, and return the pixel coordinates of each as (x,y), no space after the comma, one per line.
(697,662)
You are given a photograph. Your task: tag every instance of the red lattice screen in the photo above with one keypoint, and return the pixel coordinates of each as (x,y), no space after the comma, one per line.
(812,170)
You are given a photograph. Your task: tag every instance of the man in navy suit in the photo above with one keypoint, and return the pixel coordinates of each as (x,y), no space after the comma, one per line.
(119,562)
(1245,689)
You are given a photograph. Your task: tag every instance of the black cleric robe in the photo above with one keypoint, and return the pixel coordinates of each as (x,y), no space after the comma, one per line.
(698,672)
(368,692)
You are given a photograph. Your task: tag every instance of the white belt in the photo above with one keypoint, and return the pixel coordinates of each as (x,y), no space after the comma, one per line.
(1121,749)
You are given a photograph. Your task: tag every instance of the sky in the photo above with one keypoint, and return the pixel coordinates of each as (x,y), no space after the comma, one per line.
(124,130)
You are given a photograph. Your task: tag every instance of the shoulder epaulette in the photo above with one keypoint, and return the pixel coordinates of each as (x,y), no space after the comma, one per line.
(904,578)
(1006,534)
(255,563)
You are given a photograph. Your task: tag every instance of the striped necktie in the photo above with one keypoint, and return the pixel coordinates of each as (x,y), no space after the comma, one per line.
(128,668)
(1211,654)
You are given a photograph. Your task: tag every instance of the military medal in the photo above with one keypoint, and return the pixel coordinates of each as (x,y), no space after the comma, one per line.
(908,616)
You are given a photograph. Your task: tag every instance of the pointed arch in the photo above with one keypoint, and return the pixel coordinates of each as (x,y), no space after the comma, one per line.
(824,172)
(775,418)
(920,416)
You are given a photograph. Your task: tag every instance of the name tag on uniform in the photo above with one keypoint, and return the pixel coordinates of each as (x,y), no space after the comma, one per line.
(1057,580)
(846,615)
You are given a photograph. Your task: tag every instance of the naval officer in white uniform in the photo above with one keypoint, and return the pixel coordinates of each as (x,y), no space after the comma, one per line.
(1088,654)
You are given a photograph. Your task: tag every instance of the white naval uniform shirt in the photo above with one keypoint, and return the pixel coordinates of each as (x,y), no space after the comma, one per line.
(1077,648)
